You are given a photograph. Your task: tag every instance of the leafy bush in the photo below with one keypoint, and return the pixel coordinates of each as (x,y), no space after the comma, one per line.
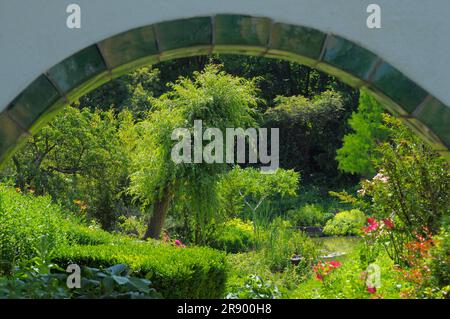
(25,221)
(309,215)
(78,158)
(113,283)
(348,222)
(408,197)
(235,236)
(359,150)
(282,242)
(350,281)
(175,272)
(132,226)
(256,287)
(39,279)
(33,279)
(440,265)
(77,234)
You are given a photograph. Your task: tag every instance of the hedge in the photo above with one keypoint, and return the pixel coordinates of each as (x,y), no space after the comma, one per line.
(28,224)
(175,272)
(236,236)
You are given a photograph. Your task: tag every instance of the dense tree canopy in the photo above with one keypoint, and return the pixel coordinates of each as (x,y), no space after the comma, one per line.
(221,101)
(359,151)
(310,130)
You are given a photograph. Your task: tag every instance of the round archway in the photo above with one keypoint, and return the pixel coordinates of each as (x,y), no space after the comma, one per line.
(223,33)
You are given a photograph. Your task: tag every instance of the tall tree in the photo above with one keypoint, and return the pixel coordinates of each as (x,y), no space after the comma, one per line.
(220,101)
(311,130)
(359,150)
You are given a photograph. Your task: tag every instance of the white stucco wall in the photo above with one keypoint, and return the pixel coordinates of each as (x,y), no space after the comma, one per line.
(415,34)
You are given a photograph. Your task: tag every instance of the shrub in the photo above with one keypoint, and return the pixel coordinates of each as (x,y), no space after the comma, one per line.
(113,283)
(440,265)
(309,215)
(87,235)
(235,236)
(256,287)
(175,272)
(132,226)
(282,242)
(39,279)
(350,281)
(25,221)
(348,222)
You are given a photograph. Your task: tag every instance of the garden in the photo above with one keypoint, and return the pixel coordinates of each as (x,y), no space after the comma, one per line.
(358,208)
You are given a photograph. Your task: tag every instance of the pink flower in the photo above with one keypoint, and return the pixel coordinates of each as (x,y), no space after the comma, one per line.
(335,264)
(373,225)
(371,290)
(178,242)
(388,222)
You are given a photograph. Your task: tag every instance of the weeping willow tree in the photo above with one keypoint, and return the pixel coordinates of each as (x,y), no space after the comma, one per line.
(221,101)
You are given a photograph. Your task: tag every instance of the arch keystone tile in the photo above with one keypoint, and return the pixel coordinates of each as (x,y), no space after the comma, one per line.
(186,37)
(80,73)
(296,43)
(398,87)
(130,50)
(33,102)
(435,115)
(241,34)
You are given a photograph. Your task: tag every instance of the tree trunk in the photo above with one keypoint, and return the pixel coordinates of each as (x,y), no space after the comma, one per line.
(160,209)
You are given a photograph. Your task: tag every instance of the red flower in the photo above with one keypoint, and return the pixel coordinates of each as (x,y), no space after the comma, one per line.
(178,243)
(373,225)
(335,264)
(389,223)
(323,269)
(371,290)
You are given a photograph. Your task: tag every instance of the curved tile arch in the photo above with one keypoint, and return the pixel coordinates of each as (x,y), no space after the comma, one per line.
(223,33)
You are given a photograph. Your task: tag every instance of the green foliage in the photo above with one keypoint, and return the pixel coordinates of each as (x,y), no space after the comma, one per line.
(440,256)
(132,226)
(175,272)
(26,221)
(113,283)
(281,242)
(250,188)
(346,223)
(234,236)
(40,279)
(409,196)
(416,183)
(220,101)
(256,287)
(311,130)
(277,77)
(34,279)
(359,151)
(132,91)
(78,234)
(309,215)
(77,158)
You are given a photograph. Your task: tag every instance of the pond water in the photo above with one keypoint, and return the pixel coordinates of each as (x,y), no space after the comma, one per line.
(336,248)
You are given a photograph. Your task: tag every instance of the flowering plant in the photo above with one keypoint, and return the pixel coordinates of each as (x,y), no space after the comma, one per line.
(323,268)
(178,243)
